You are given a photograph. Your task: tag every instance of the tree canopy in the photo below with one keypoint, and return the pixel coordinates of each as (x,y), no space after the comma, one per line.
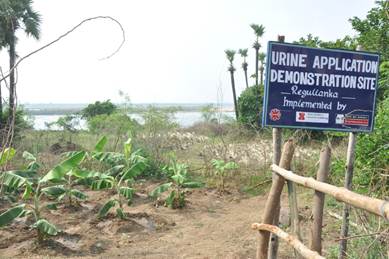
(98,108)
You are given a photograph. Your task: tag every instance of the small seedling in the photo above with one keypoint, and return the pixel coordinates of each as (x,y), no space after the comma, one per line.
(124,167)
(179,181)
(35,191)
(221,169)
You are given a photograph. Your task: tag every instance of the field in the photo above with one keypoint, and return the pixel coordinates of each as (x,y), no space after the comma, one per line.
(214,223)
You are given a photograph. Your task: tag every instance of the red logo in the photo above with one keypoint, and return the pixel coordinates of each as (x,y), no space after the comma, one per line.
(301,116)
(275,114)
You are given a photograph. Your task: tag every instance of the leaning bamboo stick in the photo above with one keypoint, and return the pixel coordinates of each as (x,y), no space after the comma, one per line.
(318,201)
(273,199)
(291,240)
(373,205)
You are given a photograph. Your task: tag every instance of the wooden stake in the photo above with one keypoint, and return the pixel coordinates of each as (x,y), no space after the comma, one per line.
(273,199)
(372,205)
(291,240)
(318,200)
(277,140)
(348,185)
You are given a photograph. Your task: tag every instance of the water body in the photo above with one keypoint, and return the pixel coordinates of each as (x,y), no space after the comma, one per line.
(184,119)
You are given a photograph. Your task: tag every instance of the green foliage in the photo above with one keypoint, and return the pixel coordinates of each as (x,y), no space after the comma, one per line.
(59,171)
(22,15)
(179,181)
(313,41)
(15,180)
(259,30)
(116,124)
(221,168)
(155,141)
(372,154)
(98,108)
(45,227)
(250,106)
(208,113)
(22,121)
(373,30)
(230,54)
(158,120)
(9,215)
(123,168)
(6,155)
(383,83)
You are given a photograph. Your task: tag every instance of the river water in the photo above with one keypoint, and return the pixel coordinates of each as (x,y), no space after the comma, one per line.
(184,119)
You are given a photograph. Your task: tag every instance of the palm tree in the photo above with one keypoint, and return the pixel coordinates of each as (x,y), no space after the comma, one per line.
(261,58)
(230,56)
(259,30)
(243,53)
(14,15)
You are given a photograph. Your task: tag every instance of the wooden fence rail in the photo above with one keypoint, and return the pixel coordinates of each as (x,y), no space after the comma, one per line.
(373,205)
(291,240)
(280,175)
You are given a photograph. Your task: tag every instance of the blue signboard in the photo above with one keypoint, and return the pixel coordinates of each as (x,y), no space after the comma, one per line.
(323,89)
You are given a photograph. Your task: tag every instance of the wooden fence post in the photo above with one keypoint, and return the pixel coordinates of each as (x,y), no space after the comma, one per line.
(277,140)
(273,200)
(318,200)
(348,185)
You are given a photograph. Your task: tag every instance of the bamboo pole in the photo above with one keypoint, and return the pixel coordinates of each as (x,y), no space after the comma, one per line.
(273,200)
(291,240)
(318,200)
(373,205)
(277,140)
(293,207)
(348,185)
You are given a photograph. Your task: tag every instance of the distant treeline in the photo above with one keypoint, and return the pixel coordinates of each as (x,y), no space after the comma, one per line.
(58,109)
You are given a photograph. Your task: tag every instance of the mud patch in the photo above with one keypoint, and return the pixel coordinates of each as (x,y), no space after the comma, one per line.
(100,246)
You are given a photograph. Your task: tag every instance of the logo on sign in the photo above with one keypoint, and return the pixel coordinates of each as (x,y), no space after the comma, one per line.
(313,117)
(301,116)
(356,119)
(275,114)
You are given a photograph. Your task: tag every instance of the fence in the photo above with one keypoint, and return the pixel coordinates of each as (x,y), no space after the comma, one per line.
(281,174)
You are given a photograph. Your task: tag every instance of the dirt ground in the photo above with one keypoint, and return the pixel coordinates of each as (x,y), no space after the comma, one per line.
(211,226)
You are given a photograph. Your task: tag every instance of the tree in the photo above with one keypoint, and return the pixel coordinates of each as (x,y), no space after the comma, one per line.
(261,58)
(373,30)
(230,56)
(98,108)
(259,30)
(243,53)
(14,15)
(347,42)
(250,106)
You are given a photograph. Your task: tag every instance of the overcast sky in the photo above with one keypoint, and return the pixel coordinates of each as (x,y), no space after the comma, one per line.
(174,49)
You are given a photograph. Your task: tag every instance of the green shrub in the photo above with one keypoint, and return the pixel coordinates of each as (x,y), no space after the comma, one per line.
(98,108)
(372,154)
(250,106)
(179,180)
(208,113)
(114,124)
(154,133)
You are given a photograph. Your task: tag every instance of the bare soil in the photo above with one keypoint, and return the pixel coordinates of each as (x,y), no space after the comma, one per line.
(211,226)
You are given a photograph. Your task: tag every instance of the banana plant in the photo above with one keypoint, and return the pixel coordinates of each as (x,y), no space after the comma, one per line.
(35,191)
(6,155)
(123,168)
(11,189)
(64,176)
(179,181)
(221,168)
